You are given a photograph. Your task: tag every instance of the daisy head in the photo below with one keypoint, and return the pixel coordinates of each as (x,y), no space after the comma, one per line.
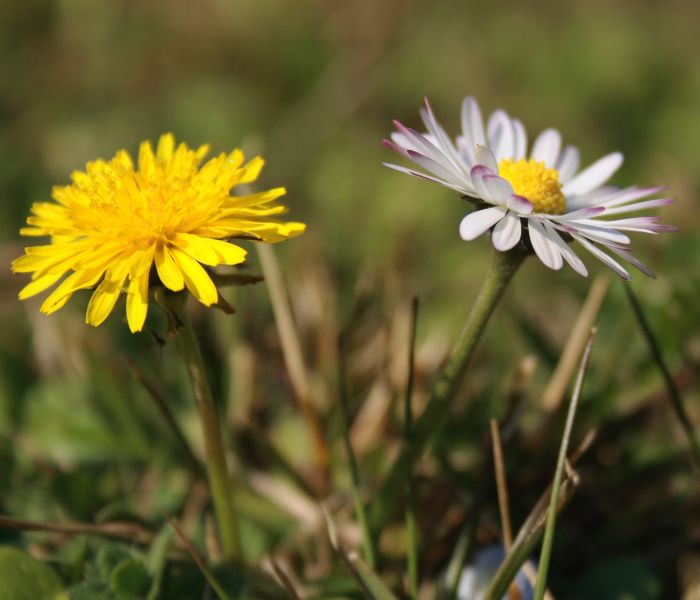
(122,228)
(536,196)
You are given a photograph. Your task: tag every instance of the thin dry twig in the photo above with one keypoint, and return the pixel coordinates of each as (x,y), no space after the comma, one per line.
(198,559)
(123,530)
(284,578)
(501,485)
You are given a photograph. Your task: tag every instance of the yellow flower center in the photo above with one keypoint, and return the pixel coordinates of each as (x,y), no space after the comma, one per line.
(531,179)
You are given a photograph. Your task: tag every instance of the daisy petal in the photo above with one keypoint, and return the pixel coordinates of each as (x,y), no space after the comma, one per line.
(484,156)
(472,127)
(568,163)
(478,222)
(501,135)
(462,189)
(520,140)
(569,255)
(544,246)
(639,206)
(634,261)
(520,205)
(491,188)
(507,232)
(547,147)
(598,253)
(594,176)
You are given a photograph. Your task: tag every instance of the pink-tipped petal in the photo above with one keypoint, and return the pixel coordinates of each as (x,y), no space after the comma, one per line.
(520,205)
(628,195)
(461,189)
(639,206)
(599,254)
(634,261)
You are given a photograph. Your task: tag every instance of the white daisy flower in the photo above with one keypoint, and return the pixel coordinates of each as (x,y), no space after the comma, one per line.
(544,192)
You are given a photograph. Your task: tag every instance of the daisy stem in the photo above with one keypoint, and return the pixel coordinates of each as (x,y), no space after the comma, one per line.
(503,267)
(217,470)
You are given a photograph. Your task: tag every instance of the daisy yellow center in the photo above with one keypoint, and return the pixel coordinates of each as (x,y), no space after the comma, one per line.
(531,179)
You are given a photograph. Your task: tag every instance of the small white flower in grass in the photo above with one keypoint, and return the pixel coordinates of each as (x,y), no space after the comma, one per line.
(544,192)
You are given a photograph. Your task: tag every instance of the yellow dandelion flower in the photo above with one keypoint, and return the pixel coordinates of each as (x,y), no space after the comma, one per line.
(115,222)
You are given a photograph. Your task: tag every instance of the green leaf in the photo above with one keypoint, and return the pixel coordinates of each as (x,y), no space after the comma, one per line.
(130,579)
(23,577)
(91,590)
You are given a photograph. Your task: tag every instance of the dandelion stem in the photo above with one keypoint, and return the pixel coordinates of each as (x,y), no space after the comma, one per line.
(546,552)
(217,470)
(412,558)
(503,267)
(672,388)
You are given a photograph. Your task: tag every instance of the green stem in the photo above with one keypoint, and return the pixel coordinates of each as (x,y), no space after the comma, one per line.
(217,470)
(411,529)
(503,267)
(367,541)
(671,387)
(546,552)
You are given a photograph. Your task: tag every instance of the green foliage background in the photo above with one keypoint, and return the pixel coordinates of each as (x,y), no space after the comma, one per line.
(313,86)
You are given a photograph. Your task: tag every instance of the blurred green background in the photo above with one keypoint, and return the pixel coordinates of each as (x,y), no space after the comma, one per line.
(313,87)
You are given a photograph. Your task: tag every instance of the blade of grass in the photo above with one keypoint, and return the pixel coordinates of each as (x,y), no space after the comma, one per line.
(546,552)
(527,539)
(367,542)
(412,554)
(294,357)
(673,391)
(370,583)
(166,413)
(576,342)
(158,560)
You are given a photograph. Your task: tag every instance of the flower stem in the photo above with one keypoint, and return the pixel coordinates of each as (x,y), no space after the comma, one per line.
(217,470)
(503,267)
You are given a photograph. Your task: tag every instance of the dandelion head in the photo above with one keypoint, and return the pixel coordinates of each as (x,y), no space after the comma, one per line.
(123,228)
